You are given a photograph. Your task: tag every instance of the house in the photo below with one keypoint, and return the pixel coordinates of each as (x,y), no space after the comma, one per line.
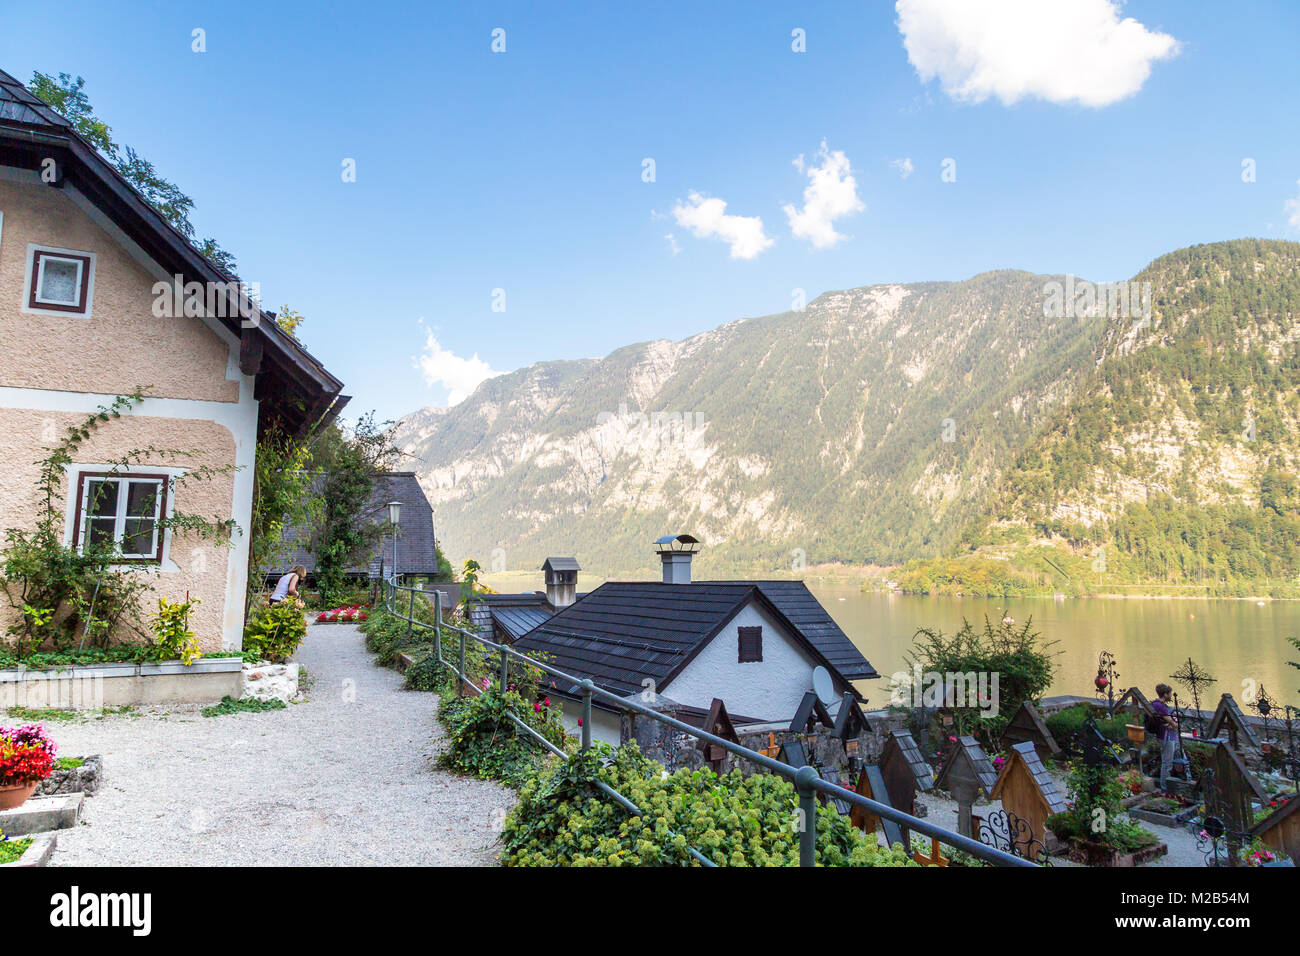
(752,644)
(507,617)
(87,313)
(417,553)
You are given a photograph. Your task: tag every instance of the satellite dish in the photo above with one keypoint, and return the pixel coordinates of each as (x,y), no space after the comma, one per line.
(823,686)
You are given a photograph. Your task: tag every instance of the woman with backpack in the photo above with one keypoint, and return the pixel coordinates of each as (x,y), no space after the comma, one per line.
(1164,727)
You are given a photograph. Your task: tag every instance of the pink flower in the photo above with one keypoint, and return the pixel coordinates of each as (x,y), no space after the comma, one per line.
(537,708)
(547,702)
(579,721)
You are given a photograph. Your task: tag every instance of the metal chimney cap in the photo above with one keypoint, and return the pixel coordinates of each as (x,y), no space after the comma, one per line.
(677,544)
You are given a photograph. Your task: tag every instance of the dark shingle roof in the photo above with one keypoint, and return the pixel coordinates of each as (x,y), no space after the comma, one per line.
(415,545)
(625,632)
(19,106)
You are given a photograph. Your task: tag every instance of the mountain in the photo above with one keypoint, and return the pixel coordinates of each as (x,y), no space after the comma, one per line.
(932,422)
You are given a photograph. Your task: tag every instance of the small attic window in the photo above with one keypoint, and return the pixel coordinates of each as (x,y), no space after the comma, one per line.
(750,645)
(60,281)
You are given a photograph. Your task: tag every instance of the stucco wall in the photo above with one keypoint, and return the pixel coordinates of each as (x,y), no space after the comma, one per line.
(201,568)
(770,689)
(121,345)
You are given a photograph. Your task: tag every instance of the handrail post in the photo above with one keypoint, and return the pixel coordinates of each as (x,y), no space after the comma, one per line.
(460,671)
(803,779)
(586,714)
(410,614)
(505,670)
(437,626)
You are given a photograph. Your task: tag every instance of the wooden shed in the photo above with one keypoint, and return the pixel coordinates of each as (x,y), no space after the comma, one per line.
(1028,790)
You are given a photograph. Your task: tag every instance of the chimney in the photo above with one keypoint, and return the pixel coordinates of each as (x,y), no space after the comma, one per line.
(676,551)
(561,581)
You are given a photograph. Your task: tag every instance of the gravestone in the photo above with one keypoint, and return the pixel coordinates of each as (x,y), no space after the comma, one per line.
(905,772)
(810,713)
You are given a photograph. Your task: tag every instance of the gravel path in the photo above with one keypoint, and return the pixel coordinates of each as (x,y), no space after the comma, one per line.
(342,778)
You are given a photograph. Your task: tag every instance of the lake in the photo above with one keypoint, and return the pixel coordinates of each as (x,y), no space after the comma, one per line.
(1236,641)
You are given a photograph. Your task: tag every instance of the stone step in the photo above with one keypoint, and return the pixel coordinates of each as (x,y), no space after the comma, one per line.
(42,814)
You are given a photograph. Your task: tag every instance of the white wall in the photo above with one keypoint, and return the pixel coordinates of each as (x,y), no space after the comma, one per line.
(770,689)
(604,725)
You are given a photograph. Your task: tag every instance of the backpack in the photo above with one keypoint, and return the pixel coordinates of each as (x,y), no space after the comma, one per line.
(1153,724)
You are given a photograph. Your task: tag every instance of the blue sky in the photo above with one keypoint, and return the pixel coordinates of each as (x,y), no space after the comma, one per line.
(1079,146)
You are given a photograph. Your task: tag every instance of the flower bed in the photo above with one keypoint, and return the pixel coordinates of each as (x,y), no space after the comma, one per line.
(1165,810)
(353,613)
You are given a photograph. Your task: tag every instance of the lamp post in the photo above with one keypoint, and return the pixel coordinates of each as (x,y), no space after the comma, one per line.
(394,518)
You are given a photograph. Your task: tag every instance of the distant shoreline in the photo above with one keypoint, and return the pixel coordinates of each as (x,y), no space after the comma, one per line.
(824,575)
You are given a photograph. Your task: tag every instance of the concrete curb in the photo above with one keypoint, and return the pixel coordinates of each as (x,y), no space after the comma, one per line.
(38,854)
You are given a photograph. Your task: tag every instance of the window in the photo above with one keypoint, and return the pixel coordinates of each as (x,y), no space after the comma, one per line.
(121,511)
(60,281)
(750,645)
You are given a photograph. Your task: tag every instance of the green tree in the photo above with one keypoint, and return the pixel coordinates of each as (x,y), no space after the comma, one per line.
(347,463)
(67,96)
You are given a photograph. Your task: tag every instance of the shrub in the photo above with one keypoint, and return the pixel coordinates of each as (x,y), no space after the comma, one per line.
(486,743)
(274,631)
(1066,725)
(733,820)
(173,639)
(1023,666)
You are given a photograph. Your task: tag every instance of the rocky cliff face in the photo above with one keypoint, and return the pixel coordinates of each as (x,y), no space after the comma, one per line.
(878,424)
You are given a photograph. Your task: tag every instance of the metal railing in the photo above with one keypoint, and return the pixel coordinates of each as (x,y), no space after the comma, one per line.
(807,781)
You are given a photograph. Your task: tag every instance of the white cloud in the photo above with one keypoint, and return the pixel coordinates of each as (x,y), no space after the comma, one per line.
(904,166)
(460,375)
(831,194)
(673,247)
(1292,209)
(707,218)
(1062,51)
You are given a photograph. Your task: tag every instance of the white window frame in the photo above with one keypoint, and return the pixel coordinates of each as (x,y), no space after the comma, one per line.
(76,504)
(33,277)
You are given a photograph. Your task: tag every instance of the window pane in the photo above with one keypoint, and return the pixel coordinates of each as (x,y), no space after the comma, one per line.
(139,537)
(59,281)
(101,532)
(143,498)
(102,498)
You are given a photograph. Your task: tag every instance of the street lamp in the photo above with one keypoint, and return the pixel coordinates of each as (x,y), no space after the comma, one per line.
(394,518)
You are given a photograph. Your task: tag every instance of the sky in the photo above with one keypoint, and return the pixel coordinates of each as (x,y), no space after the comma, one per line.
(554,181)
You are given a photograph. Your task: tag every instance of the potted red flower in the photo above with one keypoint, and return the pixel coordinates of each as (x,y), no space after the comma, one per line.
(26,758)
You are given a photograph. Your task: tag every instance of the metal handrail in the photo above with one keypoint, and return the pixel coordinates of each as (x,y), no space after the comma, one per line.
(807,781)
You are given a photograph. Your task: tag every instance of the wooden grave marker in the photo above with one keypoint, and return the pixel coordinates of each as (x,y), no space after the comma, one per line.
(1028,725)
(1027,790)
(1228,716)
(718,722)
(871,784)
(966,771)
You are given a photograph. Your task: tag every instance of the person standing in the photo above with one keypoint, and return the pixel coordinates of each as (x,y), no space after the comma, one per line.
(287,586)
(1168,733)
